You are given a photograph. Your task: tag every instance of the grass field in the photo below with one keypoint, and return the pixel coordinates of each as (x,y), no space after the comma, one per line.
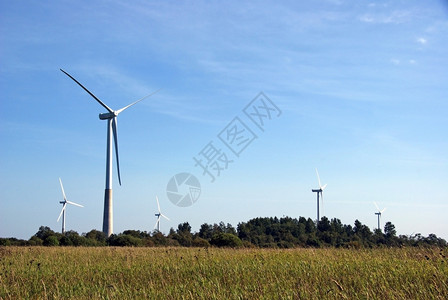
(199,273)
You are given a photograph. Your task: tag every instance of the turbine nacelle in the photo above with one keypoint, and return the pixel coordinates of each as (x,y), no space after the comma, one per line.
(108,115)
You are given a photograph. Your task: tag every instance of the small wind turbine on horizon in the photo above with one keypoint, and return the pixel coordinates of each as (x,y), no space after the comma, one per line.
(379,214)
(158,215)
(319,191)
(111,117)
(64,207)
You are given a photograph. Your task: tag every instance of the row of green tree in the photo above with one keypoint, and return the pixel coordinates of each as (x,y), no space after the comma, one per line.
(259,232)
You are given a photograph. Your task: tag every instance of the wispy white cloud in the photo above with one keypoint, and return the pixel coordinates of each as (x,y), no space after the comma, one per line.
(396,61)
(395,17)
(422,40)
(366,19)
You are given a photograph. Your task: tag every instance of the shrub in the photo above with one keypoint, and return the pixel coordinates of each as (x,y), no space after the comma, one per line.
(200,242)
(35,241)
(51,241)
(226,240)
(123,240)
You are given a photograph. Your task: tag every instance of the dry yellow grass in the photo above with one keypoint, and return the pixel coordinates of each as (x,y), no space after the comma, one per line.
(193,273)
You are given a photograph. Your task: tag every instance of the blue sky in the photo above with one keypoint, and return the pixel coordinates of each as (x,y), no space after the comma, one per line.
(362,89)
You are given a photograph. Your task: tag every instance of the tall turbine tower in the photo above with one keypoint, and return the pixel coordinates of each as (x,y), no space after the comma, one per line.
(64,206)
(319,191)
(379,214)
(158,215)
(111,117)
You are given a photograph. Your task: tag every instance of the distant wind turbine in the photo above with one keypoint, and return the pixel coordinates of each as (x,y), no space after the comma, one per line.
(158,215)
(319,191)
(64,207)
(111,117)
(379,214)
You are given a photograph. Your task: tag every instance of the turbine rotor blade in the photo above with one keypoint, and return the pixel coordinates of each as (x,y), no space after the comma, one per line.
(73,203)
(90,93)
(376,205)
(164,216)
(323,187)
(126,107)
(114,129)
(62,188)
(63,208)
(383,210)
(318,178)
(157,222)
(158,205)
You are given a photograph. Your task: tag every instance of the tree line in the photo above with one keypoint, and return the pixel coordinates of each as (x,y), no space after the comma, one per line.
(268,232)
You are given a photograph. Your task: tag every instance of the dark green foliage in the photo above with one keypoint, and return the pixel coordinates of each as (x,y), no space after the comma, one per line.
(35,241)
(14,242)
(258,232)
(5,242)
(206,231)
(389,230)
(184,239)
(160,240)
(223,239)
(184,228)
(183,235)
(95,238)
(288,232)
(200,242)
(124,240)
(51,240)
(44,232)
(137,233)
(72,238)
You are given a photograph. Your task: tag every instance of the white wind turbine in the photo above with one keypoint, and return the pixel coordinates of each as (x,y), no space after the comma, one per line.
(111,117)
(64,206)
(319,191)
(158,215)
(379,214)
